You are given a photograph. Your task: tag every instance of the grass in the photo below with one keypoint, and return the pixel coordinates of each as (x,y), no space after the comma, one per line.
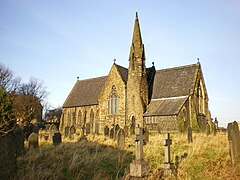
(99,158)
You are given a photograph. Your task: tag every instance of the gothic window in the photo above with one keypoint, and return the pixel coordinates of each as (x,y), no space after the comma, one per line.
(113,101)
(200,97)
(69,119)
(73,119)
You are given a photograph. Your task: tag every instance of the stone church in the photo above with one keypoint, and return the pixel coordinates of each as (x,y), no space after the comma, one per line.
(164,100)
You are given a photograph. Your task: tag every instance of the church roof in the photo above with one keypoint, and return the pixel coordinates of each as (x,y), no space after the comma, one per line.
(123,72)
(165,106)
(85,92)
(174,82)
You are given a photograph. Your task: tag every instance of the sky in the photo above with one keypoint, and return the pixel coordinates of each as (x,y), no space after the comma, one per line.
(57,41)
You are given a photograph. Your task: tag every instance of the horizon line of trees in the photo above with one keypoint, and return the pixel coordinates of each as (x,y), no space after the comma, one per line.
(20,101)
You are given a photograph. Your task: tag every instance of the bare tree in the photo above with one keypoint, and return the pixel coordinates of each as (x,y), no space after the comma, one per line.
(7,80)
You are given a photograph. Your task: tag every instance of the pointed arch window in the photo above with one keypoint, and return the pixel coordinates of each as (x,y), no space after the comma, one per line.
(113,101)
(201,97)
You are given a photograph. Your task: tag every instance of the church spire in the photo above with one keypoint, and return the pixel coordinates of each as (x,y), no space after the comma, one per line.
(137,39)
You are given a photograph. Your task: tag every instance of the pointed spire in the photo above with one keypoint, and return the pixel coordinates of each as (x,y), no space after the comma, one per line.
(137,39)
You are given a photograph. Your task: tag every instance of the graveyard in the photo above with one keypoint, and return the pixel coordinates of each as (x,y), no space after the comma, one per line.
(101,157)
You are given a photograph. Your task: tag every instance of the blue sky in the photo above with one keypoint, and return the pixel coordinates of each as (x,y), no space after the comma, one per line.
(56,41)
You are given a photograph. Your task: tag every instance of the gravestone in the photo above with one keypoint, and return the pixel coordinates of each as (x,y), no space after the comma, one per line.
(8,159)
(33,140)
(214,129)
(19,140)
(88,128)
(116,129)
(121,139)
(168,166)
(106,131)
(96,128)
(72,132)
(126,131)
(132,129)
(146,135)
(53,129)
(111,134)
(207,129)
(66,131)
(189,134)
(57,138)
(139,167)
(234,142)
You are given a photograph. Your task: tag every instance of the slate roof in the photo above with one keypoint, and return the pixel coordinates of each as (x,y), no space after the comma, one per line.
(165,107)
(123,72)
(174,82)
(85,92)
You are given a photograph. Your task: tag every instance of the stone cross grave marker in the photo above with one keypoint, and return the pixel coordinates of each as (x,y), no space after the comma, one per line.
(168,166)
(139,167)
(88,128)
(189,134)
(121,139)
(33,140)
(234,142)
(57,138)
(106,131)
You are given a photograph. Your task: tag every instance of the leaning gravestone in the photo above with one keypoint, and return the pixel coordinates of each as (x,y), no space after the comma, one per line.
(111,134)
(57,138)
(19,140)
(33,140)
(234,142)
(121,139)
(106,131)
(88,128)
(8,159)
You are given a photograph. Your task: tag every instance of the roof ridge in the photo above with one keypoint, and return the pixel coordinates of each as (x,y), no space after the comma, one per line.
(177,67)
(91,78)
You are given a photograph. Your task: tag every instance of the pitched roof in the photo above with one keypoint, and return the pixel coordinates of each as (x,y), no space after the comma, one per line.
(174,82)
(85,92)
(123,72)
(164,107)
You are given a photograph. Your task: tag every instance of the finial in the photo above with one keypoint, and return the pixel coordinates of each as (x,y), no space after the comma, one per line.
(77,78)
(198,60)
(136,14)
(152,63)
(114,61)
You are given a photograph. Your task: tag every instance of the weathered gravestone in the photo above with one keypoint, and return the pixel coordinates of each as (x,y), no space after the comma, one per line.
(116,129)
(234,142)
(207,129)
(111,134)
(189,134)
(106,131)
(168,166)
(72,132)
(214,129)
(96,130)
(19,140)
(121,139)
(126,130)
(145,135)
(33,140)
(66,131)
(57,138)
(53,129)
(88,128)
(8,159)
(139,168)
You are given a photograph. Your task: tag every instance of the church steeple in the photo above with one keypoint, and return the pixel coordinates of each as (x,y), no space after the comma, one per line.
(137,39)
